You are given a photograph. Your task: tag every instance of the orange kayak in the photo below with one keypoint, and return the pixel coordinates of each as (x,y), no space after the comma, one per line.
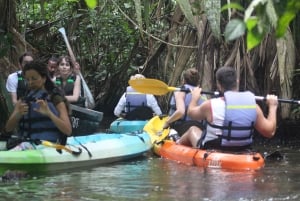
(165,148)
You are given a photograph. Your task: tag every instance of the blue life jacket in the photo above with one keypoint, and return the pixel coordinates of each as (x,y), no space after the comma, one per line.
(240,117)
(134,99)
(187,101)
(34,125)
(22,86)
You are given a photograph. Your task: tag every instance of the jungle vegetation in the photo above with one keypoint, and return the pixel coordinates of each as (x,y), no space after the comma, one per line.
(112,39)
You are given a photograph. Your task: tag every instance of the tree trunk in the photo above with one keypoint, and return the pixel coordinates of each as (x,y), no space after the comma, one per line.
(286,64)
(11,47)
(7,20)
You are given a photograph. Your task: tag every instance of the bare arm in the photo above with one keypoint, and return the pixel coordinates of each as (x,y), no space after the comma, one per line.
(14,97)
(180,109)
(120,106)
(198,112)
(267,126)
(13,121)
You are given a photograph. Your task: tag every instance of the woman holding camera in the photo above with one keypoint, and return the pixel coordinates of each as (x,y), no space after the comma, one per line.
(43,113)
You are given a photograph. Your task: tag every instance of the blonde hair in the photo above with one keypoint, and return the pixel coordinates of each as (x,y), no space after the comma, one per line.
(137,76)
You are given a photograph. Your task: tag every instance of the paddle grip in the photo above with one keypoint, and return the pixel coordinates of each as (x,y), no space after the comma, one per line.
(279,100)
(215,93)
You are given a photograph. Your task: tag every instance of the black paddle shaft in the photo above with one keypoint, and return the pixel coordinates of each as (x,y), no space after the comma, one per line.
(215,93)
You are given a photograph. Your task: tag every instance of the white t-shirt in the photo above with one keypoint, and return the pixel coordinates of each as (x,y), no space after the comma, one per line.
(151,102)
(12,82)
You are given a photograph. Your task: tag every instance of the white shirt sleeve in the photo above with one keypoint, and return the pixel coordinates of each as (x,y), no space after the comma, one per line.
(12,83)
(120,106)
(152,102)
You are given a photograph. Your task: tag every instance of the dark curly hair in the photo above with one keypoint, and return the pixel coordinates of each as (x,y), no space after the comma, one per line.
(41,68)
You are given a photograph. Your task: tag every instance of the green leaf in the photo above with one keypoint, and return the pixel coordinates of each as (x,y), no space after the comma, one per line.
(283,23)
(253,38)
(251,23)
(234,29)
(293,7)
(91,3)
(232,6)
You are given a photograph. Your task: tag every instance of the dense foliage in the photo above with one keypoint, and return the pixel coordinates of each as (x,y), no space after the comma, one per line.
(260,18)
(112,39)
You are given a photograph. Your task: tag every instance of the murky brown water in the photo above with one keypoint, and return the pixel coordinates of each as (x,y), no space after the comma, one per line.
(152,178)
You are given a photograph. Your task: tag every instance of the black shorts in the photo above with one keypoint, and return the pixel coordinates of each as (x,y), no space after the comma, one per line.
(140,113)
(216,144)
(213,144)
(182,126)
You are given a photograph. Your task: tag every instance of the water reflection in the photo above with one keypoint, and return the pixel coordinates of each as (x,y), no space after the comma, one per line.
(152,178)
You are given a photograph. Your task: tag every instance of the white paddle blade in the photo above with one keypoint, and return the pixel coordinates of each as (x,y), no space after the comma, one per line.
(62,30)
(89,99)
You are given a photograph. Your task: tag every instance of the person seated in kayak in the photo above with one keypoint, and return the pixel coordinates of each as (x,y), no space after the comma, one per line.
(69,81)
(43,113)
(137,106)
(231,119)
(178,118)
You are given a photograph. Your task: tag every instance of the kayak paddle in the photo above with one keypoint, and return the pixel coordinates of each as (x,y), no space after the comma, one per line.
(90,102)
(157,87)
(157,134)
(279,100)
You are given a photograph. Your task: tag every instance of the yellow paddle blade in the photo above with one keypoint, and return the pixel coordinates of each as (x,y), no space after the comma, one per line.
(154,129)
(151,86)
(157,87)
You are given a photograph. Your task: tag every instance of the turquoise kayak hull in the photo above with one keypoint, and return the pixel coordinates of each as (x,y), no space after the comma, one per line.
(123,126)
(96,149)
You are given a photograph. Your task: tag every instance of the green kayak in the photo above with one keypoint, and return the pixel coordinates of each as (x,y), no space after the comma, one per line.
(79,152)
